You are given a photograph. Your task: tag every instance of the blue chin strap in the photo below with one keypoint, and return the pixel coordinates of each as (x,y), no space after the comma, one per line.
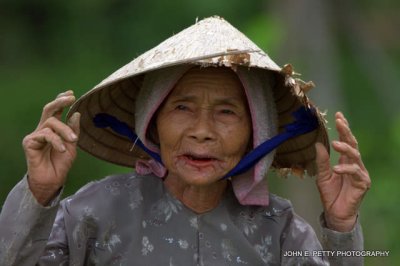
(103,120)
(305,121)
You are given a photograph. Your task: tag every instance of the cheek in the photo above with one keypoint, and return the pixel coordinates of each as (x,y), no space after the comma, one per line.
(168,144)
(168,136)
(237,140)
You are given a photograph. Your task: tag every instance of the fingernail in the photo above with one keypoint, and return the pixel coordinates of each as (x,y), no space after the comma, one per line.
(70,97)
(336,168)
(74,119)
(75,116)
(73,136)
(63,148)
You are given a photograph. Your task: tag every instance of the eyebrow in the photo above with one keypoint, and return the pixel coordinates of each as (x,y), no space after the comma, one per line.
(230,101)
(233,101)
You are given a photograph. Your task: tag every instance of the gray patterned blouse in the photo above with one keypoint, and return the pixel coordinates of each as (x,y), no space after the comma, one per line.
(134,220)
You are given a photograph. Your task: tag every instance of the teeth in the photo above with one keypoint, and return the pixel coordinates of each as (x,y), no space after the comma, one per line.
(198,158)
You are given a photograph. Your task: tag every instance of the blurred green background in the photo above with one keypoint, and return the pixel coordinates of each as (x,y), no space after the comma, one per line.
(350,49)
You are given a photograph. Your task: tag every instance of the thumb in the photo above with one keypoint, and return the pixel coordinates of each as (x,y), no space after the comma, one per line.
(322,161)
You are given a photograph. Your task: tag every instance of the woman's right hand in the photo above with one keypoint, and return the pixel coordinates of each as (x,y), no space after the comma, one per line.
(51,149)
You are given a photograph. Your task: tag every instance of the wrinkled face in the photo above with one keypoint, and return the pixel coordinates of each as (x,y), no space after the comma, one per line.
(204,126)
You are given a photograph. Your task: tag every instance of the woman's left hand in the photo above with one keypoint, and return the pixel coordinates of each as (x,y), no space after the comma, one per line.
(343,186)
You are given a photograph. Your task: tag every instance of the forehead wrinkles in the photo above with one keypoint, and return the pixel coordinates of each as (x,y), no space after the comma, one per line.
(216,79)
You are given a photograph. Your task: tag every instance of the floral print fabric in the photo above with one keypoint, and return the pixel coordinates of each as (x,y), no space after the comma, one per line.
(133,220)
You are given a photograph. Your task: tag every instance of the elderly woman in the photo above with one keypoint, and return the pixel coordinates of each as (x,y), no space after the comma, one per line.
(212,114)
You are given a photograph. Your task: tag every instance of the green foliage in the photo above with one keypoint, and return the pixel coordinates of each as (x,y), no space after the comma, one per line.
(265,31)
(47,47)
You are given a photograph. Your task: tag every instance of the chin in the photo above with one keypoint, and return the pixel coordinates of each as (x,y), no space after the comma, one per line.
(199,179)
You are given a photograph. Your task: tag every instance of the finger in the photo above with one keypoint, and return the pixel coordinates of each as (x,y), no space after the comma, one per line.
(74,123)
(322,161)
(345,133)
(56,107)
(355,173)
(65,93)
(350,153)
(42,138)
(340,115)
(61,129)
(349,169)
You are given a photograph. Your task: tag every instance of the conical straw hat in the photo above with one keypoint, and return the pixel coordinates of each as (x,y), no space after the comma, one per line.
(211,41)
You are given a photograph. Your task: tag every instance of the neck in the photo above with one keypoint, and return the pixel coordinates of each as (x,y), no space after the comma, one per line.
(199,199)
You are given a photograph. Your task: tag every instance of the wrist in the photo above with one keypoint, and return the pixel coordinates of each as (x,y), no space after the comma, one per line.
(43,194)
(340,224)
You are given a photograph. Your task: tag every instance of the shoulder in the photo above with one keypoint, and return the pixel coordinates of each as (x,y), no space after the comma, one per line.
(276,216)
(111,191)
(114,183)
(294,227)
(282,209)
(278,206)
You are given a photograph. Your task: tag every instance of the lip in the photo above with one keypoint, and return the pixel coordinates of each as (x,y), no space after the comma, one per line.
(198,160)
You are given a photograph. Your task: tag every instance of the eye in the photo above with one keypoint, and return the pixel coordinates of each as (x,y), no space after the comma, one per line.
(227,115)
(181,107)
(227,112)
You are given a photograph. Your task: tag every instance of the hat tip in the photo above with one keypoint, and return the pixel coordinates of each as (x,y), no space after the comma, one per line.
(214,17)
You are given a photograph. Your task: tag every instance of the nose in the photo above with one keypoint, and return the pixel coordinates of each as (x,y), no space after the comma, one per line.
(203,127)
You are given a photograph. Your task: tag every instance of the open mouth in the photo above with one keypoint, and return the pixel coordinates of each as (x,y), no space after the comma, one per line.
(197,158)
